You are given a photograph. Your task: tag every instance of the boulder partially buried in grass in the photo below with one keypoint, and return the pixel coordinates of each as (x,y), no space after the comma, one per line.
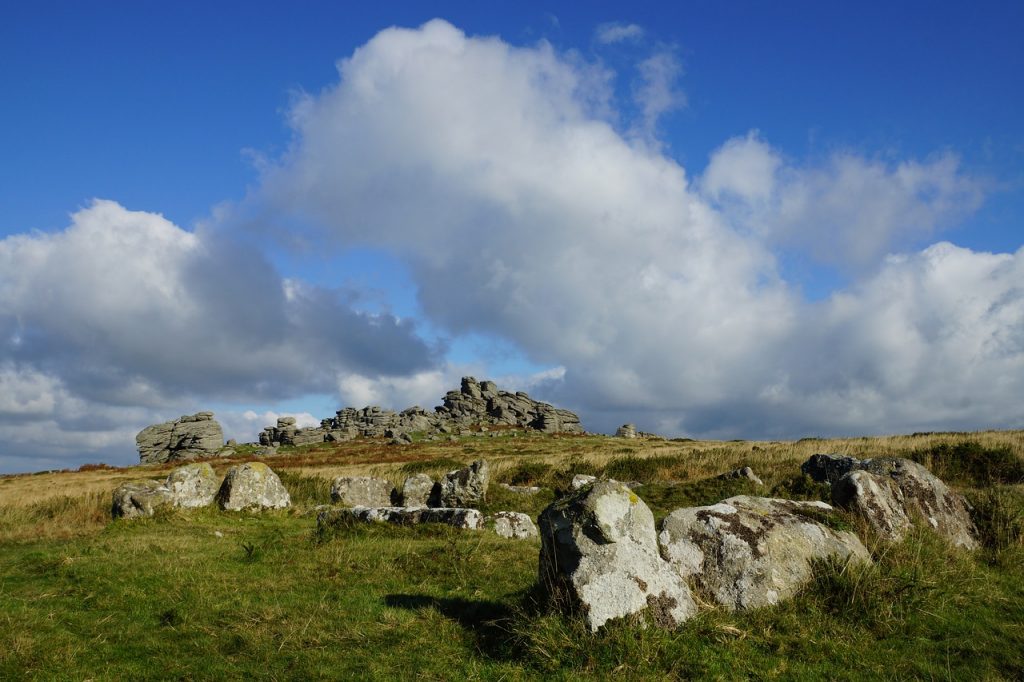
(419,490)
(465,519)
(136,499)
(252,486)
(362,491)
(599,555)
(514,525)
(748,552)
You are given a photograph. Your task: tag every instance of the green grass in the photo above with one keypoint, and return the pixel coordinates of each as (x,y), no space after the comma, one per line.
(212,595)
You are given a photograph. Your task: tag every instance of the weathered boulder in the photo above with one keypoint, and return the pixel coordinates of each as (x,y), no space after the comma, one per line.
(252,486)
(514,525)
(626,431)
(187,437)
(362,491)
(466,487)
(744,472)
(599,553)
(465,519)
(419,490)
(193,485)
(139,498)
(892,493)
(748,552)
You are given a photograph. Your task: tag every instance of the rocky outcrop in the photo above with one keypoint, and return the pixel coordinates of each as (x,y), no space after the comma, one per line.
(252,486)
(193,485)
(891,494)
(475,404)
(137,499)
(748,552)
(513,525)
(466,519)
(362,491)
(419,490)
(466,487)
(599,553)
(188,437)
(626,431)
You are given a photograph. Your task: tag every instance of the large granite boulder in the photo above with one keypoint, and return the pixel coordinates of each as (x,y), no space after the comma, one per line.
(748,552)
(891,494)
(362,491)
(252,486)
(599,554)
(137,499)
(188,437)
(419,490)
(193,485)
(466,487)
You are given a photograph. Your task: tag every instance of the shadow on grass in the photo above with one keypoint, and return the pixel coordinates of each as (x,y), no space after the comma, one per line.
(488,621)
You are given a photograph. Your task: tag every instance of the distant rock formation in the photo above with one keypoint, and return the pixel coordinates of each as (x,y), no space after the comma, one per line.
(474,404)
(187,437)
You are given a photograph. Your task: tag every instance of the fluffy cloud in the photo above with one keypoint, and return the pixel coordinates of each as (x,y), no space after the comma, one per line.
(848,210)
(124,318)
(524,214)
(616,32)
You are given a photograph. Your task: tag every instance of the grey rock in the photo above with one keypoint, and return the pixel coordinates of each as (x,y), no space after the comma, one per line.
(599,553)
(193,485)
(419,490)
(744,472)
(521,489)
(748,552)
(626,431)
(829,468)
(362,491)
(580,480)
(466,487)
(892,493)
(252,486)
(188,437)
(137,499)
(465,519)
(513,525)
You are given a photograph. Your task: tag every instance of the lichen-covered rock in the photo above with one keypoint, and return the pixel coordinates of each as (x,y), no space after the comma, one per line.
(193,485)
(362,491)
(187,437)
(892,493)
(465,519)
(599,553)
(515,525)
(466,487)
(748,552)
(252,486)
(419,490)
(139,498)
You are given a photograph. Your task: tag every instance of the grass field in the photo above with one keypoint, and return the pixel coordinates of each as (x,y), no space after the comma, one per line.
(214,595)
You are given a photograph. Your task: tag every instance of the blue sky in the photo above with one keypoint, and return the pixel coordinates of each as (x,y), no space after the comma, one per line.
(809,156)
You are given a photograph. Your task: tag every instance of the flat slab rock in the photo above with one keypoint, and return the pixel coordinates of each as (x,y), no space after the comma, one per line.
(599,553)
(890,493)
(748,552)
(467,519)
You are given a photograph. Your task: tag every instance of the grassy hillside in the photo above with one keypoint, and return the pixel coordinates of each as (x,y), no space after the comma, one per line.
(201,595)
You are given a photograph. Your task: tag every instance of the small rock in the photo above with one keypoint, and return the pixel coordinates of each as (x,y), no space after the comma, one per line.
(521,489)
(139,498)
(580,480)
(745,472)
(514,525)
(465,487)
